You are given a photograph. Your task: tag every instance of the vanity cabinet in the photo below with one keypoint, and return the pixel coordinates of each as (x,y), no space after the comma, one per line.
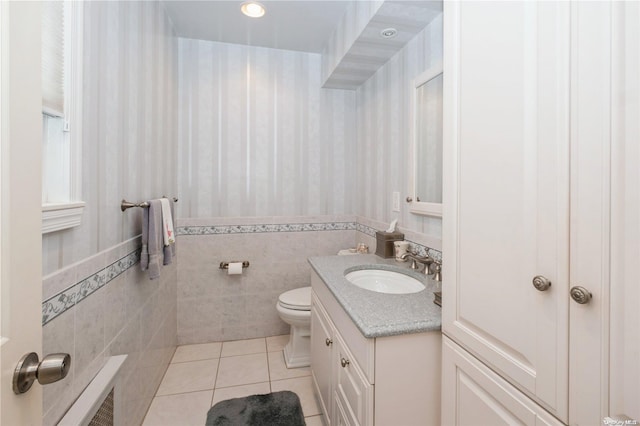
(384,381)
(530,143)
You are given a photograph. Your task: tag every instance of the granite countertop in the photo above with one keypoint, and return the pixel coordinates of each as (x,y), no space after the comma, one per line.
(377,314)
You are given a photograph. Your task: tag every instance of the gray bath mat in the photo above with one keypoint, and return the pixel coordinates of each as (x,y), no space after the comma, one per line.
(272,409)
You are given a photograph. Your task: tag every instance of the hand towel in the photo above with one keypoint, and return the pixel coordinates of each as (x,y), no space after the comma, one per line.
(152,240)
(167,223)
(170,250)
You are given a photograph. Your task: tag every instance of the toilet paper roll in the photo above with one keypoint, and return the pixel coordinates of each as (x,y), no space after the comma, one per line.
(235,268)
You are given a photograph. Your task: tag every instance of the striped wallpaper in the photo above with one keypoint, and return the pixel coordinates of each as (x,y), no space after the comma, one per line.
(259,137)
(383,132)
(129,124)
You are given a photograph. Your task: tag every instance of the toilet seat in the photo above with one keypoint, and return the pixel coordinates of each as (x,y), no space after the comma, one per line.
(298,299)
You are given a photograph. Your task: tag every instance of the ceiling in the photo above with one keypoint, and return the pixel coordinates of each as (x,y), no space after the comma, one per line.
(303,25)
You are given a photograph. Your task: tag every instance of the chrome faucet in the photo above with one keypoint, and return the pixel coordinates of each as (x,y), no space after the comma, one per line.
(425,260)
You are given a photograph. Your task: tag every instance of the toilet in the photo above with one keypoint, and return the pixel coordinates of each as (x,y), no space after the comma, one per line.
(294,308)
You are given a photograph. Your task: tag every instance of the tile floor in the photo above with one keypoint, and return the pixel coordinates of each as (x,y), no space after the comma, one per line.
(201,375)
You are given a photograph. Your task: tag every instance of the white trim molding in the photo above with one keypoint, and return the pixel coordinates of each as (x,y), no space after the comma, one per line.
(56,217)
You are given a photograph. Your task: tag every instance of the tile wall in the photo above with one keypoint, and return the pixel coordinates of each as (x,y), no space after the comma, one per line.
(214,306)
(110,308)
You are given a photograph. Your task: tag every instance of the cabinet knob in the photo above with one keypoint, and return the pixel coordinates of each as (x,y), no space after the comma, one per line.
(328,341)
(541,283)
(344,362)
(580,294)
(409,200)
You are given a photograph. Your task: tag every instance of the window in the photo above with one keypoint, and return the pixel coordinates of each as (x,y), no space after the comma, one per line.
(61,114)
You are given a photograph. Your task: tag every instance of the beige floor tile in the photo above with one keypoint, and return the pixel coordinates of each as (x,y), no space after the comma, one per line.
(240,391)
(244,347)
(189,377)
(242,370)
(314,421)
(278,369)
(188,409)
(197,352)
(277,343)
(304,388)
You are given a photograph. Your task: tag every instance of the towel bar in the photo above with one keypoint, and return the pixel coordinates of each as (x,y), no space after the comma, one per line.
(127,204)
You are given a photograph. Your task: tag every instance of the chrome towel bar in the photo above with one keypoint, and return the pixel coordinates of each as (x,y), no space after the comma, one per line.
(127,204)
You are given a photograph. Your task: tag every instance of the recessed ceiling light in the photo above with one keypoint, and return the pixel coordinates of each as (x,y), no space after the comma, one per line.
(252,9)
(388,33)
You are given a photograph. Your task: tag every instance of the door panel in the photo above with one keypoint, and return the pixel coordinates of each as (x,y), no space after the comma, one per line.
(624,397)
(590,209)
(321,356)
(475,395)
(20,213)
(507,155)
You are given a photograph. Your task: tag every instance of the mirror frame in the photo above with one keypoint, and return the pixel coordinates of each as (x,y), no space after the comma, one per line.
(419,207)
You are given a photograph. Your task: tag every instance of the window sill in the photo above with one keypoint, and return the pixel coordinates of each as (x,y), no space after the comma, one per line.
(56,217)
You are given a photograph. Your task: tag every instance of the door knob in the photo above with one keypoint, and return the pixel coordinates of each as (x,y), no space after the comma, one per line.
(53,367)
(344,362)
(328,341)
(541,283)
(580,294)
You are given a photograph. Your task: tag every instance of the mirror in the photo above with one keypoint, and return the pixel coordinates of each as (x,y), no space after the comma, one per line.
(425,195)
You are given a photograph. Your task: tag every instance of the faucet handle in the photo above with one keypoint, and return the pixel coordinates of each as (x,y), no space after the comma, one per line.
(436,269)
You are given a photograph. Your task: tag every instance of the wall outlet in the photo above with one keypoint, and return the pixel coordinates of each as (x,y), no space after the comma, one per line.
(395,202)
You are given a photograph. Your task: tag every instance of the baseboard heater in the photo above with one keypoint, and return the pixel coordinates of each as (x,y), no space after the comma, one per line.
(99,404)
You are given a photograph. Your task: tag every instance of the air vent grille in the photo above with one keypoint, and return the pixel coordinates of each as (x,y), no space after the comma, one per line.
(104,416)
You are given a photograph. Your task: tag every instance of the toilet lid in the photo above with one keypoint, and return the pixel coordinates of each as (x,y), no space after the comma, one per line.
(298,299)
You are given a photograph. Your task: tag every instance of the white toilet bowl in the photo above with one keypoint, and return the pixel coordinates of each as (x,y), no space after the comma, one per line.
(294,308)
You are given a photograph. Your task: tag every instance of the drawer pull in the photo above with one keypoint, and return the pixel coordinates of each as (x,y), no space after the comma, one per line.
(344,362)
(328,341)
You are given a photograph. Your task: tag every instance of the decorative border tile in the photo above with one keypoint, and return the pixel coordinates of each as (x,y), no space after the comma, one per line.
(413,246)
(73,295)
(252,229)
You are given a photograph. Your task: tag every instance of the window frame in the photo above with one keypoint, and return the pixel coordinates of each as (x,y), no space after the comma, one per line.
(68,214)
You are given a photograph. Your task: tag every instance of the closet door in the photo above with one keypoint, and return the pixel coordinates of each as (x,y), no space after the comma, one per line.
(590,260)
(624,402)
(506,206)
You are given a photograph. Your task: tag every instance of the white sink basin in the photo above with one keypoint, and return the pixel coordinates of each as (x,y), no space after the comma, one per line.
(383,281)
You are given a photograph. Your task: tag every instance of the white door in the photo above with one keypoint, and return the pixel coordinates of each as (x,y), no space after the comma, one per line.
(590,211)
(20,202)
(624,394)
(506,82)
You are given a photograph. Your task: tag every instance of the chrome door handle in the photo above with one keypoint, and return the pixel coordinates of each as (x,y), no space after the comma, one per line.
(580,295)
(53,367)
(541,283)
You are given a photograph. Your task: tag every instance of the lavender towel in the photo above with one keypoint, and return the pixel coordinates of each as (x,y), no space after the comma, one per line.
(152,241)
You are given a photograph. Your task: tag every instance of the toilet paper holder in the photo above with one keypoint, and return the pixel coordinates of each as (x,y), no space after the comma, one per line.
(225,265)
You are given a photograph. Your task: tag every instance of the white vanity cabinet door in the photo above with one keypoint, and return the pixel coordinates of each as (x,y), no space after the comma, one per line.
(353,393)
(506,156)
(474,395)
(624,346)
(322,358)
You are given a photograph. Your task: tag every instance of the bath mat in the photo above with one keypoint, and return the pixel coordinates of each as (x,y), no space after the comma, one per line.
(272,409)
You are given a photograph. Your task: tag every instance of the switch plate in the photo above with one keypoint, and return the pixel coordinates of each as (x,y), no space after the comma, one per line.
(395,201)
